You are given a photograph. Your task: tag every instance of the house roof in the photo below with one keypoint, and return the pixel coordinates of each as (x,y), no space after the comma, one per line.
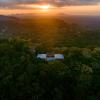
(41,56)
(59,56)
(51,57)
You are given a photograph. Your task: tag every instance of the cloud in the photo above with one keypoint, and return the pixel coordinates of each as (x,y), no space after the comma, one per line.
(14,3)
(66,1)
(77,2)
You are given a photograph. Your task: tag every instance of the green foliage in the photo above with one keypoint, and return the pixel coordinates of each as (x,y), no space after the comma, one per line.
(52,31)
(24,77)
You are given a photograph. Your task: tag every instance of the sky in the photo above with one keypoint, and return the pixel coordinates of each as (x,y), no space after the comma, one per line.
(62,2)
(87,7)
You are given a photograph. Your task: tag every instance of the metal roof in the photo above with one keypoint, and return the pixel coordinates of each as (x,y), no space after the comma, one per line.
(41,56)
(46,57)
(59,56)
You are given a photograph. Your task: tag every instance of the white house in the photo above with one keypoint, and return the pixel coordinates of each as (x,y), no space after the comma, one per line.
(41,56)
(59,56)
(50,57)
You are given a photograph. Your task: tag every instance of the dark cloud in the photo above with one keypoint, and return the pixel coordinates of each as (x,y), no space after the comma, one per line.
(55,1)
(13,3)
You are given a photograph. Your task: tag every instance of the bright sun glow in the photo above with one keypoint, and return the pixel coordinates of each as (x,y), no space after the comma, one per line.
(44,7)
(36,6)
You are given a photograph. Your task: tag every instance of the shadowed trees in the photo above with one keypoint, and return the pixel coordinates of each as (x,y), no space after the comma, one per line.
(23,76)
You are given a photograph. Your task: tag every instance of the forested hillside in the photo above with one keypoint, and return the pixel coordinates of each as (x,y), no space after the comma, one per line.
(51,31)
(24,77)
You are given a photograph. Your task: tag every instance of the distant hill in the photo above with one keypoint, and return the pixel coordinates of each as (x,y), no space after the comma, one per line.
(59,30)
(85,21)
(82,20)
(7,18)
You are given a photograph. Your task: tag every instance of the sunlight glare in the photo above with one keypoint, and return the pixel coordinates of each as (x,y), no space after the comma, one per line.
(45,7)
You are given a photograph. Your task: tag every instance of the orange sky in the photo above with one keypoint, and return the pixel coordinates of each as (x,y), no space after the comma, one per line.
(73,10)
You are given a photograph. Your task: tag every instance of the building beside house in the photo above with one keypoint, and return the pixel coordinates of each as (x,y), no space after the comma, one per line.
(50,57)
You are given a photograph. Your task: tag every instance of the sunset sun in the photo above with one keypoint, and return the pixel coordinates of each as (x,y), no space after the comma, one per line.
(44,7)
